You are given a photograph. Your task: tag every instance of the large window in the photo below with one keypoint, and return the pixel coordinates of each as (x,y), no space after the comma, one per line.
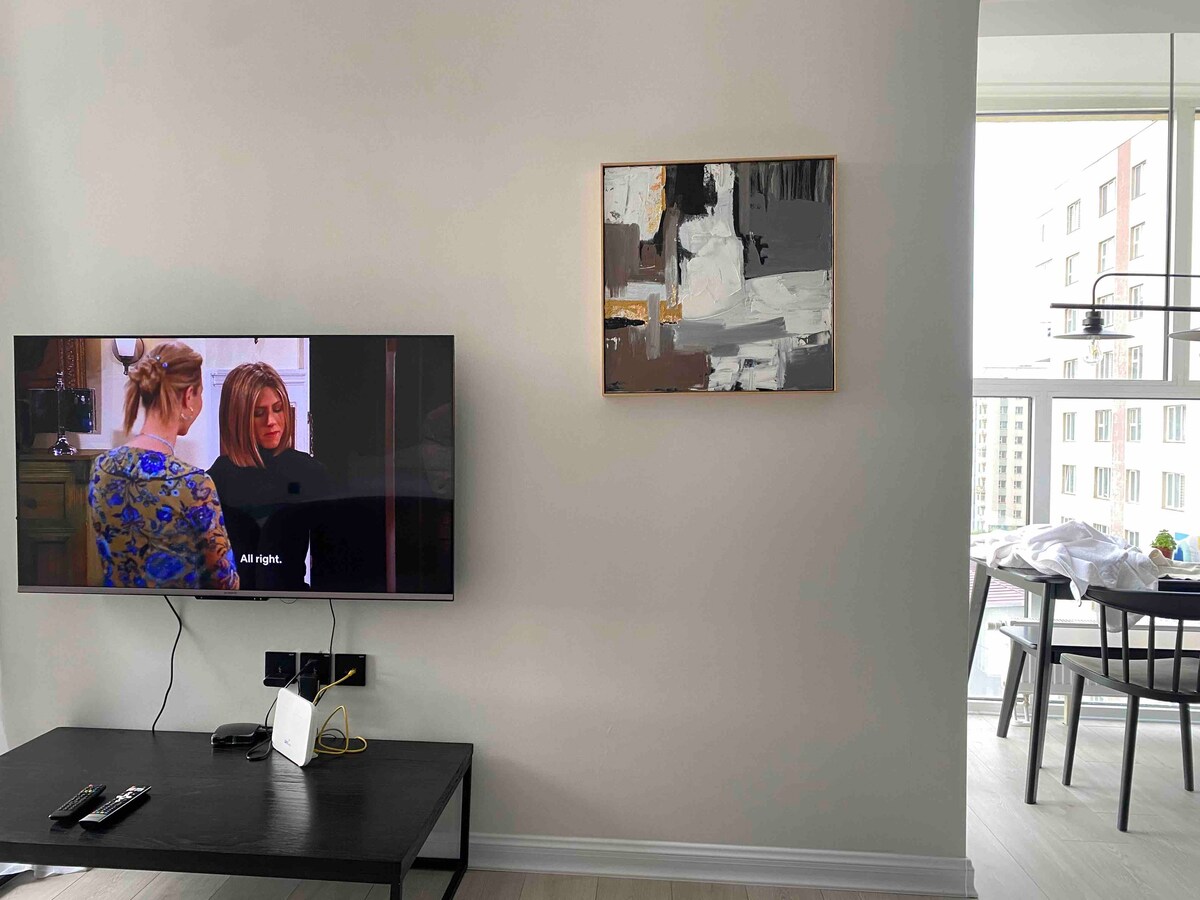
(1062,198)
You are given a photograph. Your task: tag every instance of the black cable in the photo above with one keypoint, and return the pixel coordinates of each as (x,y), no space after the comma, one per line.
(332,631)
(170,683)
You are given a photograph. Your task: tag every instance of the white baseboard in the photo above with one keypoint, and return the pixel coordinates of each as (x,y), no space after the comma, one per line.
(831,869)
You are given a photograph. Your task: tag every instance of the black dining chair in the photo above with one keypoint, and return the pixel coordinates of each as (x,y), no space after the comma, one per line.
(1172,680)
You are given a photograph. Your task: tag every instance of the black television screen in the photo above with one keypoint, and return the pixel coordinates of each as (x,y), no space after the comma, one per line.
(277,466)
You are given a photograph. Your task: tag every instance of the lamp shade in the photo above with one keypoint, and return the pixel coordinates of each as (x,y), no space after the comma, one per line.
(1093,330)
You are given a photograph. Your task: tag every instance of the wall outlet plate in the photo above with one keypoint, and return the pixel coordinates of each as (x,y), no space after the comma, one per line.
(344,662)
(279,668)
(323,668)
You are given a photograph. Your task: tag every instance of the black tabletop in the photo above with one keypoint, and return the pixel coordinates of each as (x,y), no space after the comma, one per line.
(358,817)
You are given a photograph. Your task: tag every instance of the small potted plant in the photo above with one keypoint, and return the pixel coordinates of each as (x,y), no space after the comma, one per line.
(1165,543)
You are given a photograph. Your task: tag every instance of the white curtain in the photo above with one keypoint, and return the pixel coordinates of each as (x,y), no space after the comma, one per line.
(13,868)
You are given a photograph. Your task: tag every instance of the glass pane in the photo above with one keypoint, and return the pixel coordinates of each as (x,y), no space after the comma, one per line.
(1000,473)
(1059,203)
(1128,467)
(1000,463)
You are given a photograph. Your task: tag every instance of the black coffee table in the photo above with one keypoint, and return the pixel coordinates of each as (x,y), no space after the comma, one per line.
(360,818)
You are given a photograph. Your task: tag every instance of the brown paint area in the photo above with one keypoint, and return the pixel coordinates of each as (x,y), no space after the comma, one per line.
(622,256)
(640,310)
(627,369)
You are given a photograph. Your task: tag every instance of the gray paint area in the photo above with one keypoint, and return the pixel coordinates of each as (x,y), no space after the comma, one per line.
(787,236)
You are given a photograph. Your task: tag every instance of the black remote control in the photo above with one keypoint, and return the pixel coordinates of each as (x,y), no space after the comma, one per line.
(116,807)
(80,803)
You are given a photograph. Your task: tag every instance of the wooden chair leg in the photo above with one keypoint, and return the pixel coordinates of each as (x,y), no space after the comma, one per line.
(1131,721)
(1185,731)
(1073,709)
(1016,663)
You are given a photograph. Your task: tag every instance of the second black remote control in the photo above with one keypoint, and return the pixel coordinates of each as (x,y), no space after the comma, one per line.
(116,807)
(80,803)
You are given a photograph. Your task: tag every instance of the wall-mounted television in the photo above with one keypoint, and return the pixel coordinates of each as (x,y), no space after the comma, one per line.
(268,466)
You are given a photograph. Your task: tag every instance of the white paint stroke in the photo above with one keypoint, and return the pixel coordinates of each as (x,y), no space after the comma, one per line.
(635,195)
(715,270)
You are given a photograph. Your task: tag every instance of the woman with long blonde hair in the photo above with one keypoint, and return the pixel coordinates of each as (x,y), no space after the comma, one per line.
(271,490)
(157,519)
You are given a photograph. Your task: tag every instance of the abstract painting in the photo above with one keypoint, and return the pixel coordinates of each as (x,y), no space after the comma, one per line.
(718,276)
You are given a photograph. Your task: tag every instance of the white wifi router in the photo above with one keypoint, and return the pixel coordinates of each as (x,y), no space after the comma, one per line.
(295,732)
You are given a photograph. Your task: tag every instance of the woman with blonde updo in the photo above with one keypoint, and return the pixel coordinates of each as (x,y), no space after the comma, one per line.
(157,520)
(273,492)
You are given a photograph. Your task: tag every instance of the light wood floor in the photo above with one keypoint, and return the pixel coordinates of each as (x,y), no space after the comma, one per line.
(1065,847)
(113,884)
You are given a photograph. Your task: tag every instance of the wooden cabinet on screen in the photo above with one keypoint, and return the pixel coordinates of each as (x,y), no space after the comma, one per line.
(55,546)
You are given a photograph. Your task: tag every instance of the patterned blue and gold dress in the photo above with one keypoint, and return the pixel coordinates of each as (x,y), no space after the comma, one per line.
(158,523)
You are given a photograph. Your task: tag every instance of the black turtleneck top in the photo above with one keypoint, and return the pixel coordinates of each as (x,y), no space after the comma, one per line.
(270,515)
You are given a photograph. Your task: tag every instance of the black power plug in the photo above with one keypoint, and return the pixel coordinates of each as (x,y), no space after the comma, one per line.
(318,664)
(279,668)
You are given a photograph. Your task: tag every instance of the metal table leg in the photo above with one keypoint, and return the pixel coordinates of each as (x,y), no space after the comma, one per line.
(975,615)
(1041,691)
(457,866)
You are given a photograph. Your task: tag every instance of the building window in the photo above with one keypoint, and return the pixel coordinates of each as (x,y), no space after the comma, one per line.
(1135,362)
(1017,455)
(1135,241)
(1068,426)
(1105,256)
(1133,424)
(1132,538)
(1135,184)
(1106,315)
(1103,529)
(1135,299)
(1101,482)
(1018,440)
(1018,469)
(1108,364)
(1133,486)
(1108,191)
(1104,424)
(1068,368)
(1068,479)
(1173,424)
(1073,217)
(1071,275)
(1071,321)
(1172,490)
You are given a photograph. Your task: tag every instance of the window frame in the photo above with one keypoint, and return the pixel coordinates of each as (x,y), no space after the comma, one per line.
(1108,192)
(1175,382)
(1182,491)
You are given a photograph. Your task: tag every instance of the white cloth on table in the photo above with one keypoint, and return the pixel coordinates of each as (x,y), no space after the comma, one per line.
(1073,549)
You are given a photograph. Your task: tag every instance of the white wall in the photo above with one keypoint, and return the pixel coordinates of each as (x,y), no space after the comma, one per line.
(661,632)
